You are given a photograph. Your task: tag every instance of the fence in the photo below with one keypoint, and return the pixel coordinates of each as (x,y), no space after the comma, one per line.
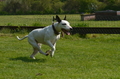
(19,22)
(108,15)
(79,30)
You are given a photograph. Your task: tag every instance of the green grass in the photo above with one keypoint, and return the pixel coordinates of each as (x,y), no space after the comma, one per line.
(45,20)
(94,57)
(75,58)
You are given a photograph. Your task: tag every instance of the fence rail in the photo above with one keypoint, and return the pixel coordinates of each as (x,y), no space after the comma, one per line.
(97,30)
(80,30)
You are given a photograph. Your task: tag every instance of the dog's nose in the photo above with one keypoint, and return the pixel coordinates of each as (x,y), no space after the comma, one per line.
(71,28)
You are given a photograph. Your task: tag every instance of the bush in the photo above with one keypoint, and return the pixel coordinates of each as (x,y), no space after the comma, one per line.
(5,30)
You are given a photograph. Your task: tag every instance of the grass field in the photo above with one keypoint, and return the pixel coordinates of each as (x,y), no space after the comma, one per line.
(93,57)
(44,20)
(75,58)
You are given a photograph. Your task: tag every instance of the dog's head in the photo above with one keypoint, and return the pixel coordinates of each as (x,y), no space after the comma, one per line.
(63,25)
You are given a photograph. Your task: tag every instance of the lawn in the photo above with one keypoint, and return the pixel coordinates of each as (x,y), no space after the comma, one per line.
(75,58)
(93,57)
(45,20)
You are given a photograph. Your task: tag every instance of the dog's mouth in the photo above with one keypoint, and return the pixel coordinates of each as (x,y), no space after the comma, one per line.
(66,32)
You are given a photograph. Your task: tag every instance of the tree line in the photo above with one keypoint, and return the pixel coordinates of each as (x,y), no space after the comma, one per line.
(56,6)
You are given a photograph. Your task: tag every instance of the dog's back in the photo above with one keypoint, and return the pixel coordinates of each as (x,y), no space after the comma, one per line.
(40,35)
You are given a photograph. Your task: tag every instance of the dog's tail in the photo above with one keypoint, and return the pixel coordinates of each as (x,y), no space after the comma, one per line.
(22,38)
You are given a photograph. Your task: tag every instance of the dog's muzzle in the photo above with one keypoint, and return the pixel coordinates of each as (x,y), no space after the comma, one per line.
(71,29)
(66,31)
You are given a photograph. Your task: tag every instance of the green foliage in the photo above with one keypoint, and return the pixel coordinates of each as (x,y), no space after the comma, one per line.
(6,31)
(9,24)
(56,6)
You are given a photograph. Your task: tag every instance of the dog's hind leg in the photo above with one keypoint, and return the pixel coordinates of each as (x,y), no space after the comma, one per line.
(35,51)
(36,46)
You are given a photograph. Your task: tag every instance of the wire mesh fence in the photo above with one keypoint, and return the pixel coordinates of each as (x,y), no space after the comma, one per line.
(82,27)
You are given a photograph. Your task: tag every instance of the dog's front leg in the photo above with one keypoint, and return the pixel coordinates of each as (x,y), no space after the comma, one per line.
(52,47)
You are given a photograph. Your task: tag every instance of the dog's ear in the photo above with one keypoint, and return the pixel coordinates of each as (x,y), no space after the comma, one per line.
(58,19)
(53,19)
(65,17)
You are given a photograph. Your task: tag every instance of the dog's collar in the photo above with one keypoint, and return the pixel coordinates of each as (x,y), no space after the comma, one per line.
(55,31)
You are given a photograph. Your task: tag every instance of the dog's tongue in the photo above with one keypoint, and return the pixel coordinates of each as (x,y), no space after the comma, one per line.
(67,33)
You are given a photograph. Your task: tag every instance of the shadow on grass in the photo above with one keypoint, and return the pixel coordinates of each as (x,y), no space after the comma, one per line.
(26,59)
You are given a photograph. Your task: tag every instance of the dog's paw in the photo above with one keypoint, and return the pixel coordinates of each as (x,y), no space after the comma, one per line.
(32,57)
(48,52)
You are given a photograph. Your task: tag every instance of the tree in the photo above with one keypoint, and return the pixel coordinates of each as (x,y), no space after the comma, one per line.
(57,6)
(111,4)
(72,6)
(78,6)
(14,6)
(47,6)
(11,6)
(1,5)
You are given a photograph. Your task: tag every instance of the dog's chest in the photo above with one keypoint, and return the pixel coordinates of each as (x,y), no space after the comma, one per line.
(54,38)
(46,34)
(50,34)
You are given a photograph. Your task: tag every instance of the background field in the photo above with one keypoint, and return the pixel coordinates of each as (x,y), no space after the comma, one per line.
(93,57)
(75,58)
(44,20)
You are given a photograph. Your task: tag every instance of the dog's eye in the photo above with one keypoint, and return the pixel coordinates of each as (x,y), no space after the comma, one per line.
(64,24)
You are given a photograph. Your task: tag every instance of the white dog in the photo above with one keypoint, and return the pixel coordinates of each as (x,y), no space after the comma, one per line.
(48,36)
